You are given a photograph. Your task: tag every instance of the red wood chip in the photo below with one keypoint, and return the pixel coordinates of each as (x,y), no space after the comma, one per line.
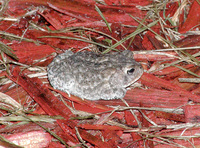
(39,139)
(192,113)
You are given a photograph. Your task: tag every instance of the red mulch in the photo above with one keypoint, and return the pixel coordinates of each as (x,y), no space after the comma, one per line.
(167,111)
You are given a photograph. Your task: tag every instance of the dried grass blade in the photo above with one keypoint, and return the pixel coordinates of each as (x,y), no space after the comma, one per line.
(32,118)
(77,39)
(175,49)
(89,29)
(10,35)
(7,50)
(49,131)
(8,100)
(147,27)
(186,70)
(102,16)
(130,36)
(138,27)
(191,57)
(189,80)
(9,143)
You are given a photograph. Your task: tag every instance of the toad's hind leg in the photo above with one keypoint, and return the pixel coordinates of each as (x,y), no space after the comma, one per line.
(60,78)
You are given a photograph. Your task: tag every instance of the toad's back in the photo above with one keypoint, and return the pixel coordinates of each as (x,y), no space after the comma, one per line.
(94,76)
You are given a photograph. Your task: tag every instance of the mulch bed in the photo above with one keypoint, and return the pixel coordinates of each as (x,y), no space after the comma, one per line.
(161,111)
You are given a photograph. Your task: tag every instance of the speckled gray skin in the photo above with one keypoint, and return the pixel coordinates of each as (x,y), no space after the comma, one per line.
(94,76)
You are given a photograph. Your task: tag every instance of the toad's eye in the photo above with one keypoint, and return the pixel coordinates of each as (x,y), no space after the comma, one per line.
(130,71)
